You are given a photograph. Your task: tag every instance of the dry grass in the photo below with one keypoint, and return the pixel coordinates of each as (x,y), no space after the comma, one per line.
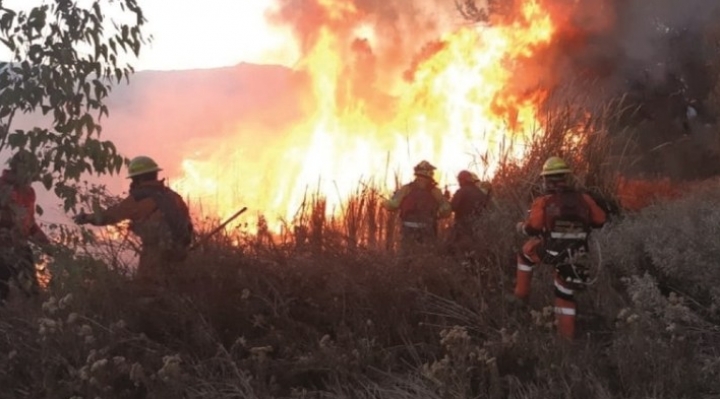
(327,310)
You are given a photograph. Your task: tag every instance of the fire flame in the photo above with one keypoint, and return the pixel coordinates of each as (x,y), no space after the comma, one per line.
(458,107)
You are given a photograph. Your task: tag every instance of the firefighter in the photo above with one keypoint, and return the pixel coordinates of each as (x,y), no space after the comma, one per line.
(559,224)
(484,186)
(467,204)
(420,204)
(158,216)
(18,227)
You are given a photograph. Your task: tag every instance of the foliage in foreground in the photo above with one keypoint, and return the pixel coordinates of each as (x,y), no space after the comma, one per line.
(328,311)
(261,321)
(65,59)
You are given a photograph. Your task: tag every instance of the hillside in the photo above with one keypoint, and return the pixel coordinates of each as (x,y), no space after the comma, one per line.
(172,115)
(168,114)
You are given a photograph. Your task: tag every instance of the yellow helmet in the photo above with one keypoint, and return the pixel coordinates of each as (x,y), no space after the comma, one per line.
(141,165)
(425,168)
(555,166)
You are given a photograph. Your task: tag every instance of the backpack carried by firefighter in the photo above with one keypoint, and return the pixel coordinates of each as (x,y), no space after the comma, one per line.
(565,242)
(179,230)
(479,200)
(419,205)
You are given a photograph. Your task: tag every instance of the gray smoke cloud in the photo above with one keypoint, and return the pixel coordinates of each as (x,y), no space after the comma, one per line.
(667,36)
(641,47)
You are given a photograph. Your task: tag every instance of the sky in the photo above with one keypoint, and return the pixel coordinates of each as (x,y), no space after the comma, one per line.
(219,33)
(188,36)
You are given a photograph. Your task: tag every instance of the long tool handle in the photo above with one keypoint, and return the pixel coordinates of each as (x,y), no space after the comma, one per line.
(217,229)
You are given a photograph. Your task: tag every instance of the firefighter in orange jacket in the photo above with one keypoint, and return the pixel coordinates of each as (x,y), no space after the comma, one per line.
(421,204)
(18,226)
(559,223)
(468,203)
(157,215)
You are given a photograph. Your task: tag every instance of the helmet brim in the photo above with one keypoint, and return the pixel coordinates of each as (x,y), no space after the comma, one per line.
(144,172)
(556,172)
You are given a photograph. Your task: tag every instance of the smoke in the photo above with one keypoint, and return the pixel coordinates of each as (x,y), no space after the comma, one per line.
(400,26)
(608,47)
(642,48)
(666,36)
(662,58)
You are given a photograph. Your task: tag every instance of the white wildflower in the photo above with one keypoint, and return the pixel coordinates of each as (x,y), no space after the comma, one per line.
(120,325)
(50,306)
(85,330)
(65,301)
(171,368)
(72,318)
(99,364)
(92,356)
(325,341)
(260,352)
(137,374)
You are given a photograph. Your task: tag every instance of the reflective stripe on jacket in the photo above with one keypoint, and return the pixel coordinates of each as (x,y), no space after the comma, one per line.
(444,209)
(535,223)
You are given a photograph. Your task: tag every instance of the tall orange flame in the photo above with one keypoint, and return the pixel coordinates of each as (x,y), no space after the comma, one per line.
(458,110)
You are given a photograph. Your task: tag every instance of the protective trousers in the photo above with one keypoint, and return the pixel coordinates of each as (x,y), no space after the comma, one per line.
(565,306)
(416,238)
(153,270)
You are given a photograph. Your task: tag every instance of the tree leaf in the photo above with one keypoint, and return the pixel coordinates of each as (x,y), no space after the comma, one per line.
(66,85)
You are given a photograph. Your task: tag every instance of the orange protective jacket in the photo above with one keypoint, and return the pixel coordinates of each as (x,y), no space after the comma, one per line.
(536,220)
(146,220)
(17,211)
(395,203)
